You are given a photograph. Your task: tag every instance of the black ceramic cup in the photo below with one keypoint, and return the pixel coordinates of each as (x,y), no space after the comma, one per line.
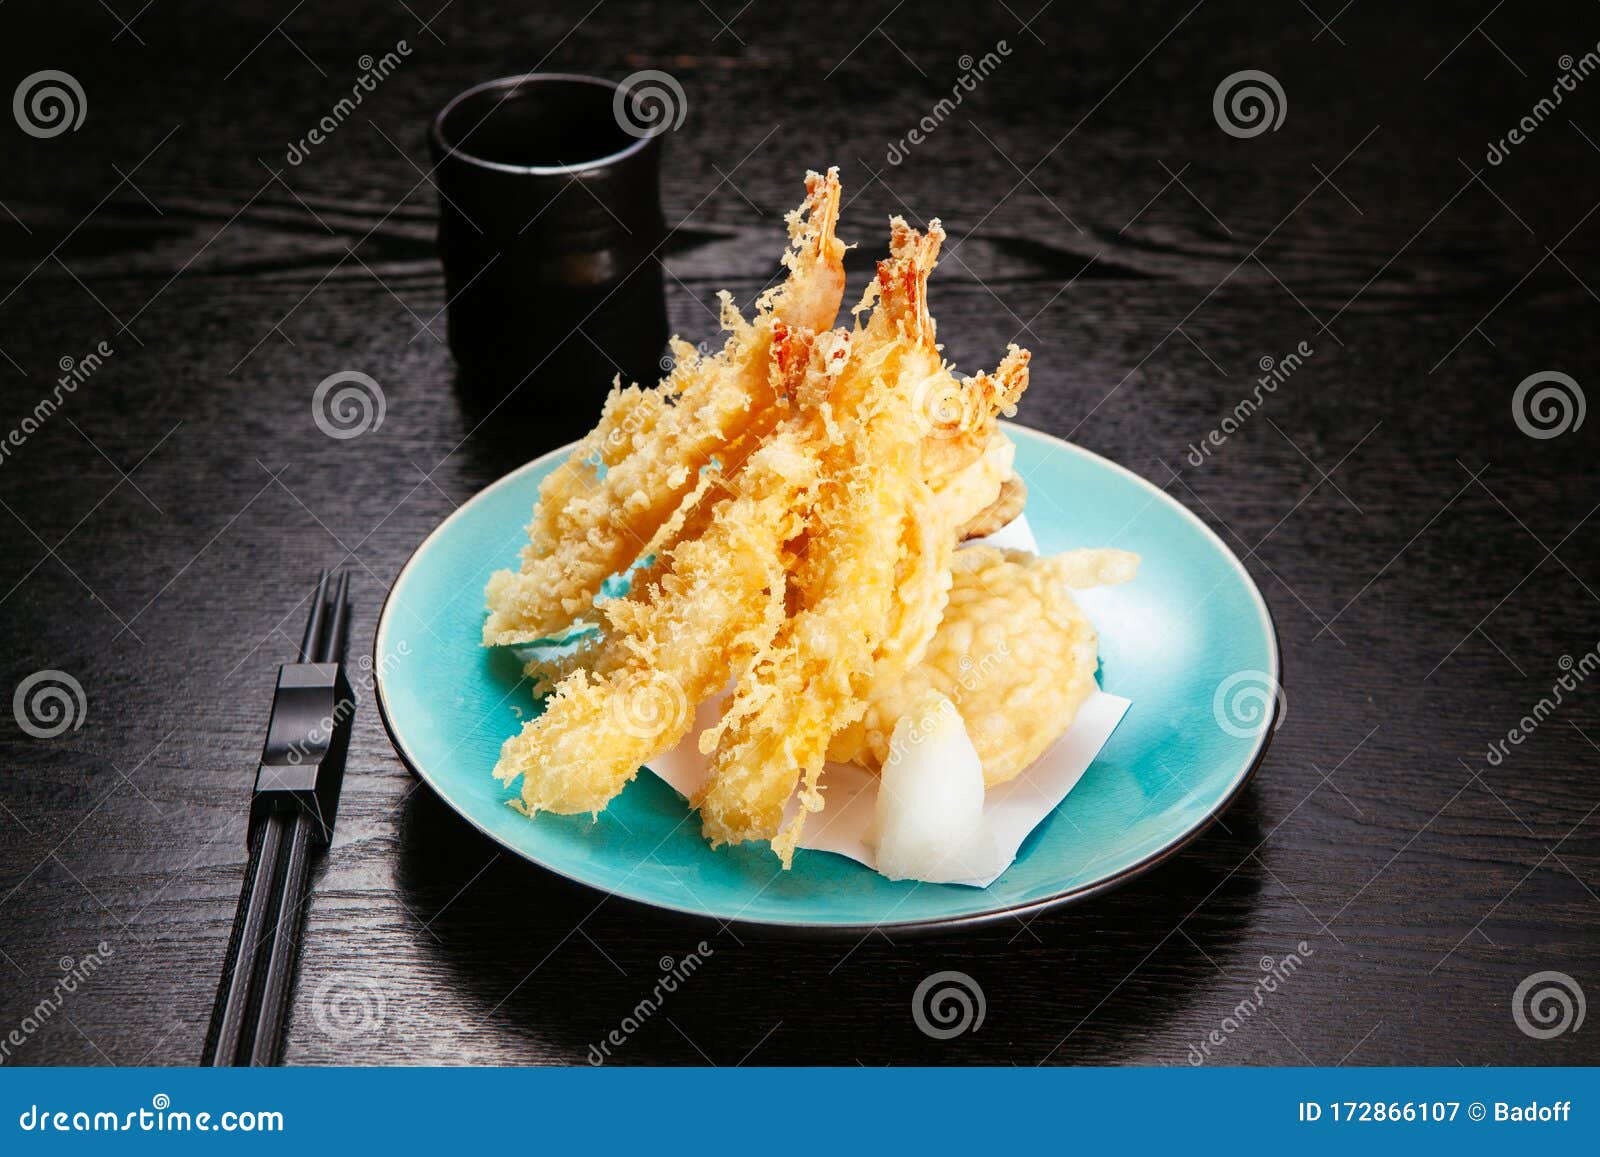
(549,226)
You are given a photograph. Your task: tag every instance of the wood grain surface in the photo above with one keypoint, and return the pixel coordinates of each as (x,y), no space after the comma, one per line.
(1432,568)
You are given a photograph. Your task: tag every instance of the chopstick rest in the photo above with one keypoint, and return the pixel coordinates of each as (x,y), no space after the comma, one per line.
(302,761)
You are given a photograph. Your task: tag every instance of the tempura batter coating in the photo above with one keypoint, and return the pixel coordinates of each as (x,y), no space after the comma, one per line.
(1000,513)
(1014,653)
(872,574)
(787,513)
(592,523)
(774,733)
(721,597)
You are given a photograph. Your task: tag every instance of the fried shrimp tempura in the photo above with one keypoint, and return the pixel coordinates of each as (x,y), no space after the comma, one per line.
(1014,653)
(965,457)
(787,513)
(592,523)
(721,595)
(806,684)
(711,600)
(872,577)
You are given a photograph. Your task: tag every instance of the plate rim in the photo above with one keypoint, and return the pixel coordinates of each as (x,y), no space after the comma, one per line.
(915,927)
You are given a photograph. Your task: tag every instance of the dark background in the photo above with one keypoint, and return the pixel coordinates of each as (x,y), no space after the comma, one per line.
(1428,564)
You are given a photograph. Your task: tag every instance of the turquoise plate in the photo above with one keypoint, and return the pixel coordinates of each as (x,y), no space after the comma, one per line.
(1190,642)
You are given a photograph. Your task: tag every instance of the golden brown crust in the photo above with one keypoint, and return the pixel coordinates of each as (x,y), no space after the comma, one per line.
(802,502)
(999,514)
(590,524)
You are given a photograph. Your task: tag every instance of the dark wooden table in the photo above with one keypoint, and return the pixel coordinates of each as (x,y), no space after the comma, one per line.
(1432,567)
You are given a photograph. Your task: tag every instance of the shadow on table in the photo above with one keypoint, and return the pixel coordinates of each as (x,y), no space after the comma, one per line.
(562,968)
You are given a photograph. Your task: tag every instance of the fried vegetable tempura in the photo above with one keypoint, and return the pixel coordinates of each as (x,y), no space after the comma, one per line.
(1000,513)
(1013,653)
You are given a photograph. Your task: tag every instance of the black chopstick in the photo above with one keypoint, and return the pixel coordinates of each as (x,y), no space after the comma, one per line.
(292,814)
(311,641)
(249,931)
(273,1006)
